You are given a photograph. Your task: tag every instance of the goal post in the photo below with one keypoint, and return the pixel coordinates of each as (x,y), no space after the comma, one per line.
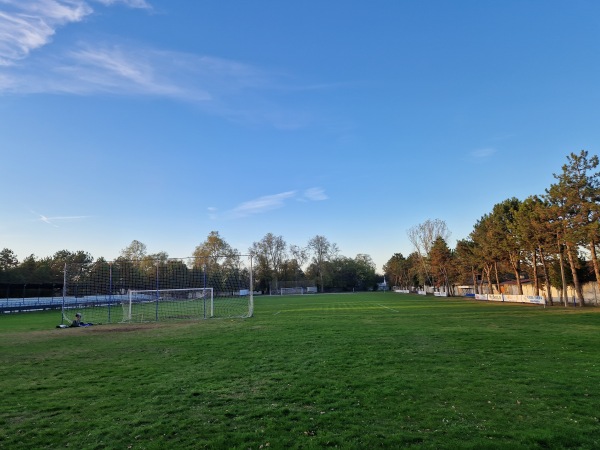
(292,291)
(149,305)
(298,290)
(154,290)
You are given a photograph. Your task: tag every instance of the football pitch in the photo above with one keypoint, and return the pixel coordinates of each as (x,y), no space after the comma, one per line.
(359,371)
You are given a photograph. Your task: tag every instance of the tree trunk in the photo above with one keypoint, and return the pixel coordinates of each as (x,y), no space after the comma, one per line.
(563,278)
(497,278)
(576,283)
(546,277)
(516,265)
(595,262)
(536,284)
(488,269)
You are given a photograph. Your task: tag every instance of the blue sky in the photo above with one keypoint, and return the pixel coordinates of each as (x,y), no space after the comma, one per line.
(163,120)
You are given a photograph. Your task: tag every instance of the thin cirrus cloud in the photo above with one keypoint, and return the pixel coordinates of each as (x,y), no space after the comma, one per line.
(314,194)
(483,153)
(27,25)
(53,220)
(227,88)
(261,204)
(31,63)
(122,69)
(142,4)
(131,70)
(267,203)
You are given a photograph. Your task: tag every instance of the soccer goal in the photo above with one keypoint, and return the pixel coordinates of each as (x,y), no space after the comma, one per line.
(292,291)
(162,304)
(183,288)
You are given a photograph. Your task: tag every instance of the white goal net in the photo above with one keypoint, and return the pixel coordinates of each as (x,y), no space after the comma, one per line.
(148,291)
(297,290)
(162,304)
(292,291)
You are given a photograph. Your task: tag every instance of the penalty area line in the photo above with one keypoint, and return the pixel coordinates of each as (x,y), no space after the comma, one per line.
(387,307)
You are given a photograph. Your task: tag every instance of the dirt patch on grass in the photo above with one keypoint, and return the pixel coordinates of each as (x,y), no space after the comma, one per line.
(123,328)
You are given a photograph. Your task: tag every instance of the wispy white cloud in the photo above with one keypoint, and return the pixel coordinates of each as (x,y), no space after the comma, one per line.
(268,203)
(315,194)
(26,25)
(118,70)
(142,4)
(237,91)
(262,204)
(131,70)
(52,220)
(483,153)
(47,220)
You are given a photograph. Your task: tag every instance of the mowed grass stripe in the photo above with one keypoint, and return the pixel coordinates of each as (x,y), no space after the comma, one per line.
(393,302)
(337,308)
(327,371)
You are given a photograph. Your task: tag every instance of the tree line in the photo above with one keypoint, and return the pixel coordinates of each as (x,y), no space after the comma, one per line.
(276,264)
(552,239)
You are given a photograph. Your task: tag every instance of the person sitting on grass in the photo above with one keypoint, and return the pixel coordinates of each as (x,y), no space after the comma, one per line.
(78,323)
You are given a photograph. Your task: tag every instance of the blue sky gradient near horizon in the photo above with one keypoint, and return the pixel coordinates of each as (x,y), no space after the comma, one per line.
(162,121)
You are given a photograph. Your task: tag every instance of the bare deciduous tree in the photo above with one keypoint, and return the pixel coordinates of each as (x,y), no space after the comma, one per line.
(271,253)
(422,237)
(322,251)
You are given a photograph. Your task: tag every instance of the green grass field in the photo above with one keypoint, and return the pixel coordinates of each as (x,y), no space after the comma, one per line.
(349,371)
